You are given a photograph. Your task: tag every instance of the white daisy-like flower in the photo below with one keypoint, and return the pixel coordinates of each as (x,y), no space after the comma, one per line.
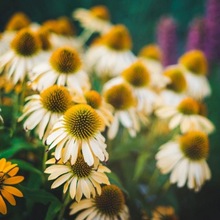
(95,19)
(78,179)
(79,129)
(151,56)
(17,21)
(62,33)
(121,97)
(17,62)
(185,159)
(194,65)
(64,68)
(175,89)
(110,205)
(186,115)
(97,102)
(139,78)
(42,110)
(109,55)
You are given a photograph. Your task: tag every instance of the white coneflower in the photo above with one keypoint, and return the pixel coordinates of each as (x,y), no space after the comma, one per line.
(64,68)
(79,179)
(96,19)
(194,65)
(185,158)
(78,130)
(17,21)
(109,205)
(63,33)
(139,78)
(186,116)
(42,110)
(151,56)
(111,53)
(17,63)
(121,97)
(175,89)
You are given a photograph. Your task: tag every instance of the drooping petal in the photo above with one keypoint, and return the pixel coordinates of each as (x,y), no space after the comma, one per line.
(9,197)
(3,208)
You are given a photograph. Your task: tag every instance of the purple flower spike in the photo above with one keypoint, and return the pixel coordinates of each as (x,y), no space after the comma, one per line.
(167,40)
(196,35)
(212,42)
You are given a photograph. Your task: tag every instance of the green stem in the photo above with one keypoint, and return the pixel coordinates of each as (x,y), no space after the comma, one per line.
(45,156)
(66,200)
(85,35)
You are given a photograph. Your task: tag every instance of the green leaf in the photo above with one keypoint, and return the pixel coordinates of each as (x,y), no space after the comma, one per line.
(44,197)
(141,162)
(28,167)
(17,145)
(113,178)
(53,209)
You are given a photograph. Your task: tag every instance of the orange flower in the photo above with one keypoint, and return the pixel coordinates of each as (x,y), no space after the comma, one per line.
(8,177)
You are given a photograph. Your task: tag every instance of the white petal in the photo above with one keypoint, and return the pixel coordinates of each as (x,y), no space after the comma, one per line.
(72,188)
(85,213)
(61,180)
(83,204)
(54,135)
(87,154)
(96,149)
(175,121)
(113,129)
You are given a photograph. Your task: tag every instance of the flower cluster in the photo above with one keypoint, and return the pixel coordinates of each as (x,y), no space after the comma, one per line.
(78,98)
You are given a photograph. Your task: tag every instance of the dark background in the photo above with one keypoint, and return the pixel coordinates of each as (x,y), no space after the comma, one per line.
(141,18)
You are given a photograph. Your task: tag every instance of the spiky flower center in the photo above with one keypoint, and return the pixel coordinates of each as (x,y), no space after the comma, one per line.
(56,99)
(118,38)
(81,168)
(120,96)
(195,145)
(195,61)
(17,22)
(26,43)
(65,60)
(44,37)
(188,106)
(82,121)
(93,99)
(110,203)
(151,51)
(177,79)
(137,74)
(100,12)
